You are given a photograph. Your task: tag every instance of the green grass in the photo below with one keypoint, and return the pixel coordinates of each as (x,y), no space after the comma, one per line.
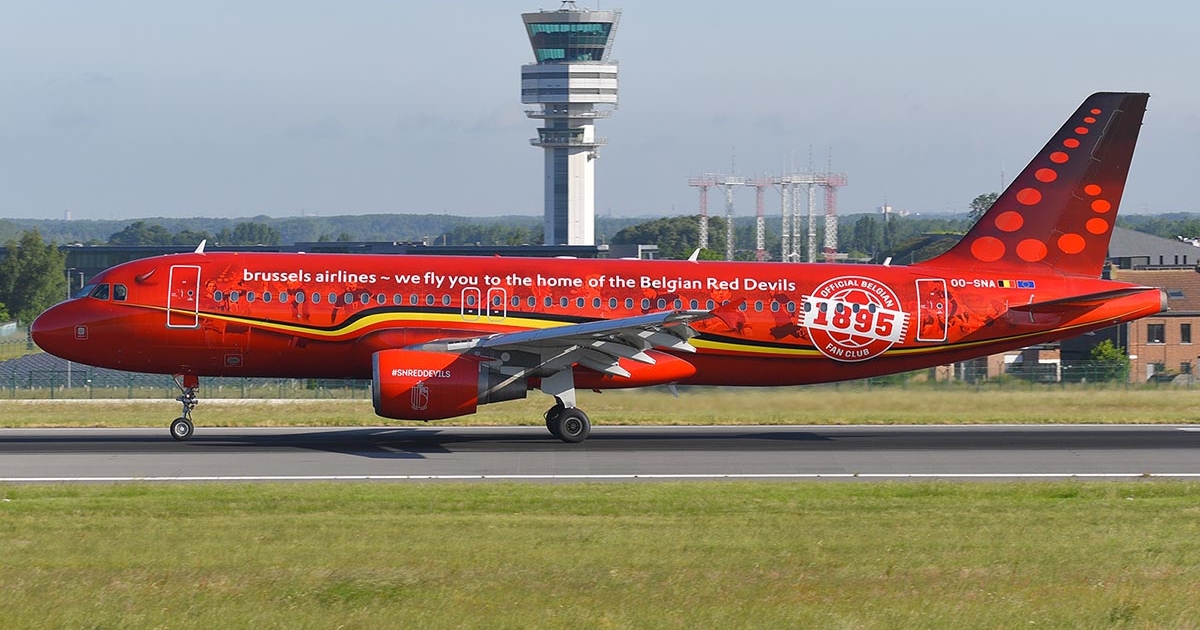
(799,405)
(697,555)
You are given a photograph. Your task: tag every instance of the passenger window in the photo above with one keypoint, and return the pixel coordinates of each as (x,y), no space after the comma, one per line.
(429,299)
(516,301)
(678,303)
(120,292)
(101,292)
(612,302)
(218,295)
(532,302)
(316,298)
(629,303)
(710,305)
(694,305)
(412,299)
(645,304)
(365,298)
(579,302)
(445,300)
(397,299)
(249,296)
(283,296)
(349,297)
(564,301)
(774,307)
(299,297)
(662,303)
(380,299)
(470,300)
(266,296)
(549,301)
(233,296)
(791,306)
(333,298)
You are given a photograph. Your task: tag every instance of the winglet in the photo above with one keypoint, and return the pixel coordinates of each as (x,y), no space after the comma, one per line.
(1058,214)
(200,247)
(695,256)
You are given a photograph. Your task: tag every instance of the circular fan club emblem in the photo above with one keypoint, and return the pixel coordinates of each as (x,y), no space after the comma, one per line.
(852,318)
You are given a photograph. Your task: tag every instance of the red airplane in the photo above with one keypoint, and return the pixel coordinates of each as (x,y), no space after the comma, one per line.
(439,336)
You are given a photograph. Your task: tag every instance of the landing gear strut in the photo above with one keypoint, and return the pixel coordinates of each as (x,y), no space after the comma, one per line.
(182,428)
(568,424)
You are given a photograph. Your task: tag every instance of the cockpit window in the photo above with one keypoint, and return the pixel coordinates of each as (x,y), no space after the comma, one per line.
(85,291)
(120,292)
(101,292)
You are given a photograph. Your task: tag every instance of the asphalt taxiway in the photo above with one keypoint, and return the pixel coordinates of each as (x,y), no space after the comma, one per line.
(612,453)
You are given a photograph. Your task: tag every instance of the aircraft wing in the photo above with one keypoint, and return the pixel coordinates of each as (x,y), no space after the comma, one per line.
(598,345)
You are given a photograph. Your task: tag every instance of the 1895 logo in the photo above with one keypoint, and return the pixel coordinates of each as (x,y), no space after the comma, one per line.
(854,318)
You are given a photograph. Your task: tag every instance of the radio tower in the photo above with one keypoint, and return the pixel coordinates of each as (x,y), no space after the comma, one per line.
(570,77)
(729,182)
(703,183)
(832,182)
(760,184)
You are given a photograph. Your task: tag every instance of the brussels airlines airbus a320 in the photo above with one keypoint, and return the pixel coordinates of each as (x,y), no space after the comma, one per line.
(439,336)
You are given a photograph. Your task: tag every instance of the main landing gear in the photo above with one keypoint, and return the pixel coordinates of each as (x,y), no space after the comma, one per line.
(182,427)
(568,424)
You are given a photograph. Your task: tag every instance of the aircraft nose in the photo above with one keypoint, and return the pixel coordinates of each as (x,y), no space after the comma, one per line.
(54,330)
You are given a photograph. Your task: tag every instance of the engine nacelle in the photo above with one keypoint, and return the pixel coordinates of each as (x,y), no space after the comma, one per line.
(419,385)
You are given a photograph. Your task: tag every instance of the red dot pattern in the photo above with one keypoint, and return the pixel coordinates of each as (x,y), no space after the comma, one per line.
(1009,221)
(1097,226)
(1031,250)
(988,248)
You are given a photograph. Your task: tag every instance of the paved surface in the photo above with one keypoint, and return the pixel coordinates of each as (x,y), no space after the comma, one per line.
(612,453)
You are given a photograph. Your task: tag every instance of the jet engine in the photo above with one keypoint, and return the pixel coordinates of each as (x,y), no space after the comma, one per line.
(420,385)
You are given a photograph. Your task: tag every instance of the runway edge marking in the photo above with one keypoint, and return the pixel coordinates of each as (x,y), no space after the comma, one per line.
(628,477)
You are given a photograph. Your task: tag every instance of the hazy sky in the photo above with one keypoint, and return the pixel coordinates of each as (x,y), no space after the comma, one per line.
(124,109)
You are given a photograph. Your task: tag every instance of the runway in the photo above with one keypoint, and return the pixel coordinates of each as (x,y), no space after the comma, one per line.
(612,453)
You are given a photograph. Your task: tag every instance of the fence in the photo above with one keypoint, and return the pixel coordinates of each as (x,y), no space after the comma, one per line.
(85,382)
(42,376)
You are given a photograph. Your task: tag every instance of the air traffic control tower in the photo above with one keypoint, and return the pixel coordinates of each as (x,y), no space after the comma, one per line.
(571,76)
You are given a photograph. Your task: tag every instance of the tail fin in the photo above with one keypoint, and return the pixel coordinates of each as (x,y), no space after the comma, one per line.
(1058,214)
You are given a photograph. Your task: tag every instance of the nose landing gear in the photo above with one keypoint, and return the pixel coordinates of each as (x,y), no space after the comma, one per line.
(182,427)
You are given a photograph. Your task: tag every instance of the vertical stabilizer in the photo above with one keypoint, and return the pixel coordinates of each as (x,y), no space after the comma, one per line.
(1058,214)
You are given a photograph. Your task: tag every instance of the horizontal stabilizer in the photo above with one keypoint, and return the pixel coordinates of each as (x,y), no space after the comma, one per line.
(1091,300)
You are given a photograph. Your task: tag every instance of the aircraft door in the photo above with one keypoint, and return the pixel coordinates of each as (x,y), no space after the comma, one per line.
(497,305)
(183,297)
(932,310)
(469,304)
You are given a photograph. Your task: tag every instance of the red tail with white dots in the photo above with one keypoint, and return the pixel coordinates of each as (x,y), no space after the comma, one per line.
(1059,212)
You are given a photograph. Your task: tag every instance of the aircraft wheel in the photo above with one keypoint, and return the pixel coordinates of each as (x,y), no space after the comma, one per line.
(552,416)
(573,426)
(181,429)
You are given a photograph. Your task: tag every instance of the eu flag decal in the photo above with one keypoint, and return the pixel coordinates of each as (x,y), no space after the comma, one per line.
(1026,284)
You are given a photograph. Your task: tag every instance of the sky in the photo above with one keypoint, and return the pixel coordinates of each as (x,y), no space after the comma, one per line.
(127,109)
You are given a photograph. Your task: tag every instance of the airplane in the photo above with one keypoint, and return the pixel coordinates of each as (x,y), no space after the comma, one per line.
(439,336)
